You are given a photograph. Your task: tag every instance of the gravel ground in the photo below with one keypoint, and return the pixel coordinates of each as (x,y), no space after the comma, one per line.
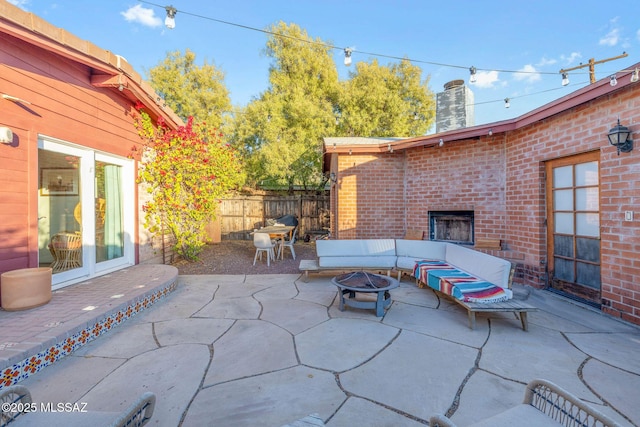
(236,257)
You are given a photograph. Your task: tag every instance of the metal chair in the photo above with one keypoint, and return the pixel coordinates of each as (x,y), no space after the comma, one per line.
(263,243)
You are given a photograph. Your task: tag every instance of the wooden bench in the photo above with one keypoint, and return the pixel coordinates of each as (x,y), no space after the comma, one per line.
(517,307)
(311,266)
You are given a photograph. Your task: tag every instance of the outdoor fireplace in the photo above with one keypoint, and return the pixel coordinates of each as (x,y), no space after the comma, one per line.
(451,226)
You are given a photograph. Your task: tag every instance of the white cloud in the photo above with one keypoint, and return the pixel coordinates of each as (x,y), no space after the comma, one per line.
(612,38)
(486,79)
(546,61)
(527,73)
(142,16)
(571,59)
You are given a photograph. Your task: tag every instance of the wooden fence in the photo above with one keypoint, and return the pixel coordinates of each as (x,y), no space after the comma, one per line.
(239,216)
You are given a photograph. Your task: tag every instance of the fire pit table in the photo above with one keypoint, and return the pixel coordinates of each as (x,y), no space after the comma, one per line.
(363,282)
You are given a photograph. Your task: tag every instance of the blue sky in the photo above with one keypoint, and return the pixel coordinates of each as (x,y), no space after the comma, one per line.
(499,38)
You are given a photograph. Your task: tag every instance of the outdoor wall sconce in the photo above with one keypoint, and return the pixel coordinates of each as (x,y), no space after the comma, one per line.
(332,177)
(620,137)
(6,135)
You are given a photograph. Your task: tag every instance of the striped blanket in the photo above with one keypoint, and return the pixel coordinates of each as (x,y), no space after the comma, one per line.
(461,285)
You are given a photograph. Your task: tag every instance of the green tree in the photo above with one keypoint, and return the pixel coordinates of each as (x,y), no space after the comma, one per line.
(186,171)
(280,133)
(386,101)
(191,90)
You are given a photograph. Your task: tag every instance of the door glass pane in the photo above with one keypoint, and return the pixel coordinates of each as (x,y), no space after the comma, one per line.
(588,249)
(588,275)
(587,174)
(59,211)
(563,246)
(563,200)
(588,224)
(563,177)
(563,223)
(564,270)
(587,199)
(109,212)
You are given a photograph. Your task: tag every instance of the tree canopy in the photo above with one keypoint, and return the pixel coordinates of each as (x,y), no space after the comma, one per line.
(386,101)
(191,90)
(280,132)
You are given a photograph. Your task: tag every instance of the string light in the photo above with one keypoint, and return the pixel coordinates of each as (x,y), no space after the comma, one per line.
(473,78)
(565,79)
(612,80)
(170,20)
(635,75)
(507,104)
(347,56)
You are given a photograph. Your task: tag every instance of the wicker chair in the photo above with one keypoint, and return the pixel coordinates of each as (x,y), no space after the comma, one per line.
(66,249)
(544,404)
(137,415)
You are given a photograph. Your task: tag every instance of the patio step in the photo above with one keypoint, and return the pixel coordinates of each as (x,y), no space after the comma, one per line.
(32,339)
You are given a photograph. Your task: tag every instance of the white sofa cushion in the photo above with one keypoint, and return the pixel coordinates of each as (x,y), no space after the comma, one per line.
(410,251)
(423,249)
(357,253)
(384,261)
(490,268)
(342,248)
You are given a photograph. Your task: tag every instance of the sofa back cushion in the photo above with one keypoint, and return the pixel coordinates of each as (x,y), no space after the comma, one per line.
(423,249)
(488,267)
(345,248)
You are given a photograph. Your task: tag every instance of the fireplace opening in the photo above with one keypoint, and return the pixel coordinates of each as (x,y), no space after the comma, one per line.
(451,226)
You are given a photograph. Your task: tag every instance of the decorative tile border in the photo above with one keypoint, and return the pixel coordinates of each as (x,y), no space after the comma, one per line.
(34,364)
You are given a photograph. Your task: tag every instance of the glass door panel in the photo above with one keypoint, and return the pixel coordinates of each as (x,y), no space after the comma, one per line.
(109,212)
(574,226)
(61,224)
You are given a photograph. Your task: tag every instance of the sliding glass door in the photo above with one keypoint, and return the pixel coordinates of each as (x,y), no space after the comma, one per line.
(85,218)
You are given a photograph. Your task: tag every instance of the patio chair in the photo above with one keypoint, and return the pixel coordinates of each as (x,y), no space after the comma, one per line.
(263,243)
(289,244)
(137,414)
(544,404)
(66,249)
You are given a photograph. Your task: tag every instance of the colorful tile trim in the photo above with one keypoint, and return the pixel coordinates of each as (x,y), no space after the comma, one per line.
(34,364)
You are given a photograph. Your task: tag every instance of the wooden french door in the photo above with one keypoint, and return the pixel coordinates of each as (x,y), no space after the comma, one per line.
(573,226)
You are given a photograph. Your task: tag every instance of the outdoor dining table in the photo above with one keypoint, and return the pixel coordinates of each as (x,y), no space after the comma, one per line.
(278,232)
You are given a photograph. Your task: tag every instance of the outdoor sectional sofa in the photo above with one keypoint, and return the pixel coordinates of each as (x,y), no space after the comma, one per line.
(444,267)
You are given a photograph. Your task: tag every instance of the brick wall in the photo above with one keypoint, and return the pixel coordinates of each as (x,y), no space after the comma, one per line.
(370,196)
(502,179)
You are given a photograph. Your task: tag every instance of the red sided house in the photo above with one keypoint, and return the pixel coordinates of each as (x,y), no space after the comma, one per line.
(68,192)
(545,190)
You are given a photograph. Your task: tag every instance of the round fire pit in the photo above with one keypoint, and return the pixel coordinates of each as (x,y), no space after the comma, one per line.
(363,282)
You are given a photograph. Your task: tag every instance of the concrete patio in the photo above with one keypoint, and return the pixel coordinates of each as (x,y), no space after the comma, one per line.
(265,350)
